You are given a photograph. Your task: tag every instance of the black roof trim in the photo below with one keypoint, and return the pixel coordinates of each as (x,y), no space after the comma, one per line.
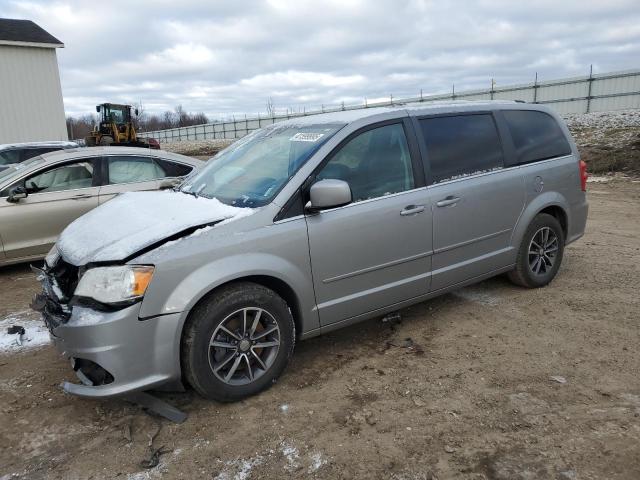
(25,31)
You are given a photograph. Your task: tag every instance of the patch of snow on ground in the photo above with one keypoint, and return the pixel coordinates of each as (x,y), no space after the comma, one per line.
(36,333)
(598,179)
(291,455)
(317,461)
(239,469)
(474,294)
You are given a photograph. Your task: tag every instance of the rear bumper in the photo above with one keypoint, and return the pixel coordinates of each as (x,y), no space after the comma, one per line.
(138,355)
(578,223)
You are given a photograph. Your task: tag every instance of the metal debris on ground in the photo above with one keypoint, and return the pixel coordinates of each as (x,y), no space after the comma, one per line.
(409,344)
(559,379)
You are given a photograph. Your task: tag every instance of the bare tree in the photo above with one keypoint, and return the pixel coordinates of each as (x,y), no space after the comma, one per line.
(271,109)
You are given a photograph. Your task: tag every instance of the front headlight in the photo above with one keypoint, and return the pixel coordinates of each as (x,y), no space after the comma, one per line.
(115,284)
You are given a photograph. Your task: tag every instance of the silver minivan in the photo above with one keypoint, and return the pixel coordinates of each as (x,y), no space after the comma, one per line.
(304,227)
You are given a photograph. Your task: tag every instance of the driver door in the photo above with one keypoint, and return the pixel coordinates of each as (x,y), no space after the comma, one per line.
(56,197)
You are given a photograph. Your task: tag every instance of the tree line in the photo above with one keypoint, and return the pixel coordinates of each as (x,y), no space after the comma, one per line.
(79,127)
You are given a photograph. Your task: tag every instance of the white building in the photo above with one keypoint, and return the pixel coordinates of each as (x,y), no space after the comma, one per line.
(31,107)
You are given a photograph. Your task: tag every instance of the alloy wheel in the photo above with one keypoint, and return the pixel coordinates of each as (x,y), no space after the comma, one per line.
(543,250)
(244,346)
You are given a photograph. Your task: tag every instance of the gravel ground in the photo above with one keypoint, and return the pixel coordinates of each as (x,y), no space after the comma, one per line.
(490,382)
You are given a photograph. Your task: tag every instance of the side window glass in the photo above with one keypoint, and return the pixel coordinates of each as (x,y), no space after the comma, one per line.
(9,157)
(536,135)
(461,145)
(131,169)
(66,177)
(375,163)
(172,169)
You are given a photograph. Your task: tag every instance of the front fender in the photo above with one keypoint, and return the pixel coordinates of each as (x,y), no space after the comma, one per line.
(535,206)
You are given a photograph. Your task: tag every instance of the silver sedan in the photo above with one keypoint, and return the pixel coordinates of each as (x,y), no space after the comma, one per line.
(41,196)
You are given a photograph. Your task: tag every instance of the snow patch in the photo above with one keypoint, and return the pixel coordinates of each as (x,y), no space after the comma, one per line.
(317,461)
(476,295)
(239,469)
(83,317)
(134,220)
(291,455)
(36,333)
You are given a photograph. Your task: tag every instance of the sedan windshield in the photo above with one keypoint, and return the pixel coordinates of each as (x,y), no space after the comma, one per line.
(253,170)
(11,170)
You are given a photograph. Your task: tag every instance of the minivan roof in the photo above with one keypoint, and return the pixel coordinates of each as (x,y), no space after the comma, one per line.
(350,116)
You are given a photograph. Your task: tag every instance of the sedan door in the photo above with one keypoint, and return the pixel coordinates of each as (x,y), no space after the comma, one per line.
(476,201)
(374,252)
(57,195)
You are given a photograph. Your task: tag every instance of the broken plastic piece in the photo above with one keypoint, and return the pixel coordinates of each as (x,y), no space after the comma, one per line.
(157,406)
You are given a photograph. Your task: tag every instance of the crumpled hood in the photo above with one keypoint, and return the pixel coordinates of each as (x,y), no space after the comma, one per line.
(133,221)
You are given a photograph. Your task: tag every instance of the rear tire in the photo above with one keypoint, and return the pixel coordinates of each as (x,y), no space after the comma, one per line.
(540,253)
(237,342)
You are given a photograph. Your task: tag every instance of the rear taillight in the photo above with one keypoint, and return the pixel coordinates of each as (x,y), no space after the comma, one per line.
(583,175)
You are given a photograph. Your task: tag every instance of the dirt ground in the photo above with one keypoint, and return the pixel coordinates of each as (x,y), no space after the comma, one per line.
(470,396)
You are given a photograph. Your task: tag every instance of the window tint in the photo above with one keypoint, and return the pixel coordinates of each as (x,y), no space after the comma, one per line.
(375,163)
(536,135)
(461,145)
(9,157)
(172,169)
(67,177)
(130,169)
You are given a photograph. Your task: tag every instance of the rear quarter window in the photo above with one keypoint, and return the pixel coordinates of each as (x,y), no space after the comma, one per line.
(461,145)
(536,136)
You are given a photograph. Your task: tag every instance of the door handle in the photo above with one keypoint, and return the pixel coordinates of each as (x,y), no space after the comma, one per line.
(450,200)
(412,210)
(81,196)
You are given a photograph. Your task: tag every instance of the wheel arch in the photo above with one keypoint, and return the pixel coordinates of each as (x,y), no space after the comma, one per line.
(551,203)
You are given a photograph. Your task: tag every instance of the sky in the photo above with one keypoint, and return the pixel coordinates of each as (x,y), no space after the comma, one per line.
(228,58)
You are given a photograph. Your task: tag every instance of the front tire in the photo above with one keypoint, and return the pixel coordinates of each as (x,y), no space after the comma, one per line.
(540,253)
(237,342)
(106,140)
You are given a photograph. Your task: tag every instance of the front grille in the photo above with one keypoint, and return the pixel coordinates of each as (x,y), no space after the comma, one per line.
(66,278)
(58,285)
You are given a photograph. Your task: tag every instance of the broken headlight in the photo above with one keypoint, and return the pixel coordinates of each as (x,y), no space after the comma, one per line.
(115,284)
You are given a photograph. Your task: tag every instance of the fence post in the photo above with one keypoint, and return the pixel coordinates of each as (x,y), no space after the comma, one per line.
(391,98)
(421,99)
(492,85)
(589,91)
(453,91)
(535,89)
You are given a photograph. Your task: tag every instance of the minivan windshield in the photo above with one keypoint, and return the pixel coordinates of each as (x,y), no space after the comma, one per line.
(252,171)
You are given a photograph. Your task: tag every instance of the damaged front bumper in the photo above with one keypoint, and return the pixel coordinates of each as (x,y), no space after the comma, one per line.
(112,353)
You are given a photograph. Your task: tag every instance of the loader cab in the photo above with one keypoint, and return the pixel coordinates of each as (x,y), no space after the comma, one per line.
(113,113)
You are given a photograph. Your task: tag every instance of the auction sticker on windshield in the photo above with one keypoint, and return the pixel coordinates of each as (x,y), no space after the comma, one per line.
(306,137)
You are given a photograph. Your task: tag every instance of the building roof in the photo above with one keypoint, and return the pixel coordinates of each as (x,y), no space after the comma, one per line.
(26,33)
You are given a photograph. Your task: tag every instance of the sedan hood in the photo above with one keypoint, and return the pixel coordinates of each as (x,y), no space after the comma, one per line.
(134,221)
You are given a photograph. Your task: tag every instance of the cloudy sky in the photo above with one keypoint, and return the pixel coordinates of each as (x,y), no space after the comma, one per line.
(224,57)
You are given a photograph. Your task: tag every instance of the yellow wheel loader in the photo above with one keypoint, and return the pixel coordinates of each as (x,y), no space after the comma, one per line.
(116,128)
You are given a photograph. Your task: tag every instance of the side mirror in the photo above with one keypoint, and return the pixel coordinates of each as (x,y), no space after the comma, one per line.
(328,194)
(167,183)
(16,194)
(98,108)
(136,112)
